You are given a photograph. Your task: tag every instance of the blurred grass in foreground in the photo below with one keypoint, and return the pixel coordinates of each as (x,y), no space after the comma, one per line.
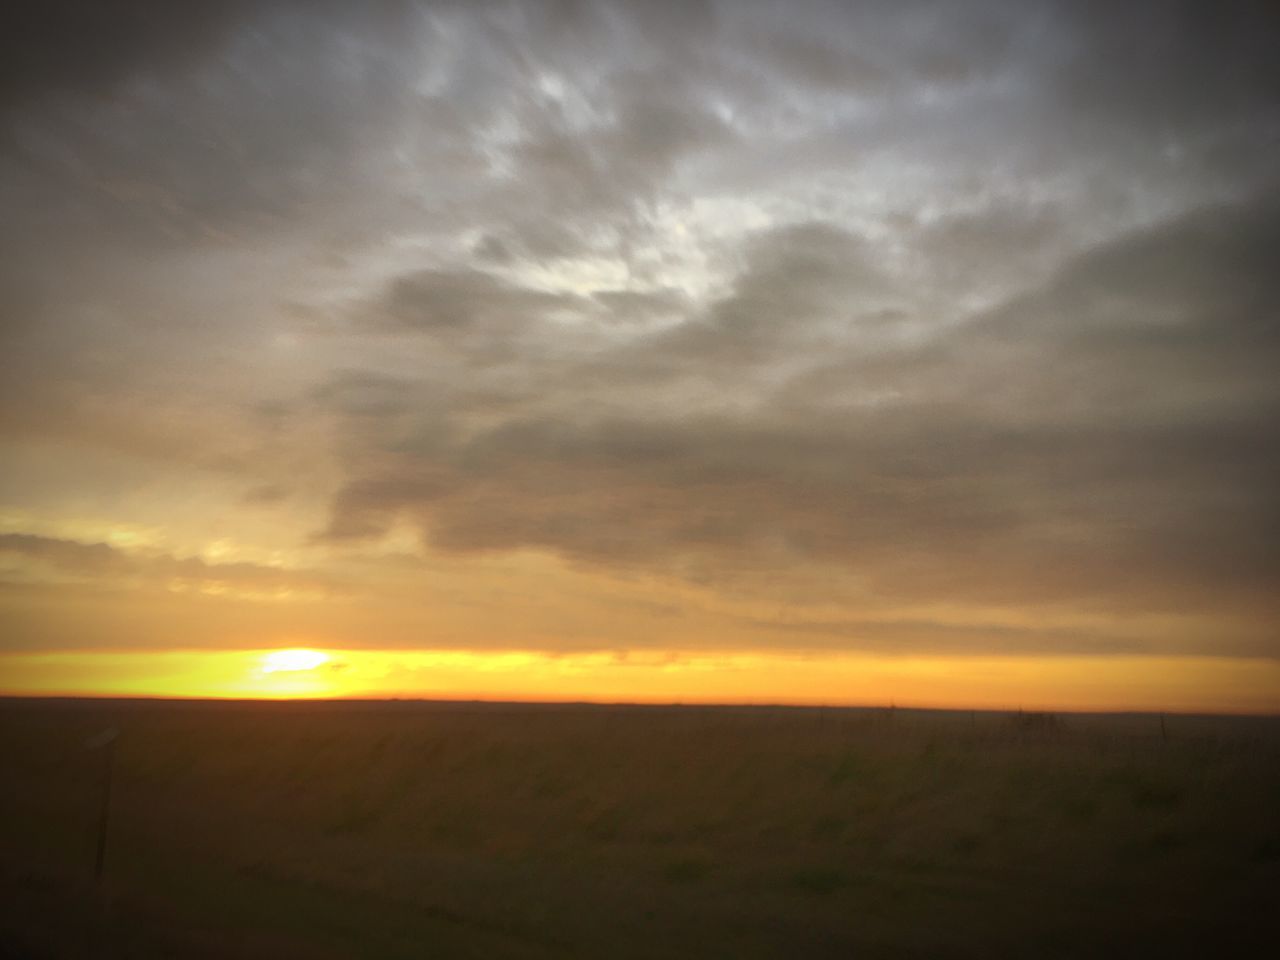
(472,830)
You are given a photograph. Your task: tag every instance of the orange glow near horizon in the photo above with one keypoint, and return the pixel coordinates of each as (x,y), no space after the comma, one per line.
(1174,684)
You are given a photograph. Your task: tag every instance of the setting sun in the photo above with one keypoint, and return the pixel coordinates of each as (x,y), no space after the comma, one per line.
(293,661)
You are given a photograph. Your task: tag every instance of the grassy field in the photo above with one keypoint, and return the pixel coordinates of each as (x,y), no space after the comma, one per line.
(506,831)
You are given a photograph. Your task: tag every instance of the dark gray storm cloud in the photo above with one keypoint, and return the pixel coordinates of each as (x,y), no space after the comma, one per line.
(970,305)
(1102,439)
(70,47)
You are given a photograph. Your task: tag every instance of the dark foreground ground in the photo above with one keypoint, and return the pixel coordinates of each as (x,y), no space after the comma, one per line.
(433,830)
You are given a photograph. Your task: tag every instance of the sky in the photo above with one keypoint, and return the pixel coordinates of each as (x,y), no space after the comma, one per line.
(804,352)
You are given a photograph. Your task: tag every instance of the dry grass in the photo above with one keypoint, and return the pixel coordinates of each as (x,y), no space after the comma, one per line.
(410,830)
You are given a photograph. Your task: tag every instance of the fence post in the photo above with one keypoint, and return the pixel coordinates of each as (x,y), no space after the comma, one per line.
(107,739)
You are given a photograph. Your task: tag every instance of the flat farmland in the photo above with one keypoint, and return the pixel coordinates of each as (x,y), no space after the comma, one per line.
(405,829)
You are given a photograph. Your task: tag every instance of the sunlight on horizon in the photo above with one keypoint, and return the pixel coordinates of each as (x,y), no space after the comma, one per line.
(1174,684)
(292,661)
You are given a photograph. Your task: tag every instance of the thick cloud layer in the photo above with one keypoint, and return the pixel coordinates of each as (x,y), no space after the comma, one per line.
(866,325)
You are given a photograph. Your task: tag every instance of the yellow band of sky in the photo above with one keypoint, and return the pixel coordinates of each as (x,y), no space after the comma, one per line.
(1185,684)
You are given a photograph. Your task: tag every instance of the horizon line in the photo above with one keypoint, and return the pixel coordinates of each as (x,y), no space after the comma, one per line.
(640,704)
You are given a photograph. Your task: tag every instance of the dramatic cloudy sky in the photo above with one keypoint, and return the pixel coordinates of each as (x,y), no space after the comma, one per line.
(946,330)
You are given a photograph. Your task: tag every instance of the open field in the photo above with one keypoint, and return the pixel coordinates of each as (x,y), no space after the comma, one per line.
(435,830)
